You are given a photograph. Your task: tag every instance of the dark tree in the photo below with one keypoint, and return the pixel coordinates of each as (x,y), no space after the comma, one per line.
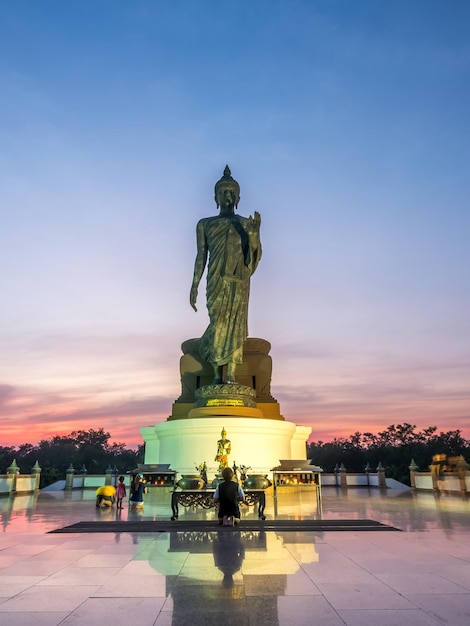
(89,448)
(394,448)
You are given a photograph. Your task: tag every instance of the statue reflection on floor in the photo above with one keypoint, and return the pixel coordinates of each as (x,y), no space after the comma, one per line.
(229,553)
(229,549)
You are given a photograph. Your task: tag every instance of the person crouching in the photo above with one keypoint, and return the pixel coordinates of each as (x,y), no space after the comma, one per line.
(105,496)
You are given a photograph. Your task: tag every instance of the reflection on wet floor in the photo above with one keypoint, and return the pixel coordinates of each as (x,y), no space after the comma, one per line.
(410,511)
(243,577)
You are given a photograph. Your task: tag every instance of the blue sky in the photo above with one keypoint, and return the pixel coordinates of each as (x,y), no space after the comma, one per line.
(346,125)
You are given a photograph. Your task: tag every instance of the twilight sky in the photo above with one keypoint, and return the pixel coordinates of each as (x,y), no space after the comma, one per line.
(347,126)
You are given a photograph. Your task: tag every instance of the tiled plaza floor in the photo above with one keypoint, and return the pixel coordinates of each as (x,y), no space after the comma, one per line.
(419,575)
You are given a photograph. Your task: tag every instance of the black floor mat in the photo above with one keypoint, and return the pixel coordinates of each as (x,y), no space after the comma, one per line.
(161,526)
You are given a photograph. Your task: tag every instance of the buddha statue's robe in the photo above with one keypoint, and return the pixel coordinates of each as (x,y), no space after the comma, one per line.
(233,258)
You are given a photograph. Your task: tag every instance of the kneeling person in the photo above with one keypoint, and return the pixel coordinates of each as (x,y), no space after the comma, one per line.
(227,495)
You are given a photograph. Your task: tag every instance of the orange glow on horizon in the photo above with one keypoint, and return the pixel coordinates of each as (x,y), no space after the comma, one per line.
(127,431)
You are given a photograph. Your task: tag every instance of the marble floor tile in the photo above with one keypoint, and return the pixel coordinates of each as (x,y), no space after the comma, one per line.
(116,612)
(186,617)
(100,559)
(72,576)
(389,617)
(333,566)
(66,556)
(268,566)
(453,609)
(374,595)
(52,618)
(47,599)
(210,598)
(123,586)
(15,586)
(423,583)
(29,549)
(139,567)
(459,574)
(297,584)
(7,560)
(306,611)
(40,567)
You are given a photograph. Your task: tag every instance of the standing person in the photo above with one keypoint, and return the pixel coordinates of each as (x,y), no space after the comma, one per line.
(232,244)
(137,490)
(227,495)
(120,492)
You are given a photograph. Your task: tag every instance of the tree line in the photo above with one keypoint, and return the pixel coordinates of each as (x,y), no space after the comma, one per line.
(395,448)
(81,448)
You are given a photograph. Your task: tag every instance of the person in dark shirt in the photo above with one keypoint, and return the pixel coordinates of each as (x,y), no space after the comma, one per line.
(227,495)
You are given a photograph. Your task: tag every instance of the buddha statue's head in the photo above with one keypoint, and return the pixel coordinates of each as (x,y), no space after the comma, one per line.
(227,191)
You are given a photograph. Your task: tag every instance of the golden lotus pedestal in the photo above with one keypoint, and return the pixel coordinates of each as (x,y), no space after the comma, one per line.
(259,434)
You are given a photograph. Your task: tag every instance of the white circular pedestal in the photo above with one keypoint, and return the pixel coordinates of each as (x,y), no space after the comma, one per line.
(256,443)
